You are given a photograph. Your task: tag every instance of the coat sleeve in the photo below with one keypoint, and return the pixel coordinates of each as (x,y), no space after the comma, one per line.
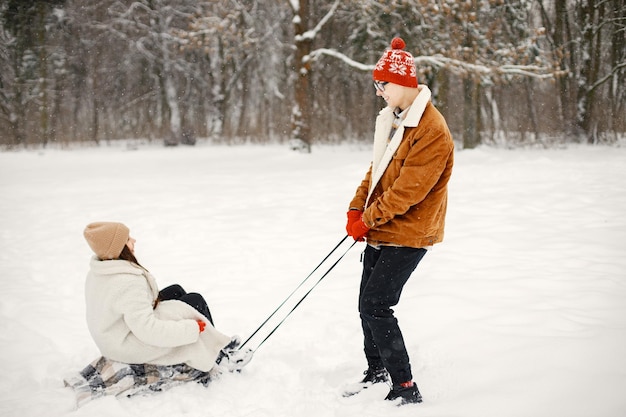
(420,168)
(135,305)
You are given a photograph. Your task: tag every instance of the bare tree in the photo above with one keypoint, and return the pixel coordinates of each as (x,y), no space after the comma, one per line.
(241,48)
(481,43)
(27,79)
(259,70)
(588,42)
(305,31)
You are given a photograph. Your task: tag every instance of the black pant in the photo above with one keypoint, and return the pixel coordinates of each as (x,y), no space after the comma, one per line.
(176,292)
(385,271)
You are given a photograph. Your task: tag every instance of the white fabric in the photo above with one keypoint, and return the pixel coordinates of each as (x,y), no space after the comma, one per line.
(385,149)
(119,299)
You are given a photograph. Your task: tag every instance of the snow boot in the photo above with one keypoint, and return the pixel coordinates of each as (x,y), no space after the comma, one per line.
(371,376)
(234,343)
(234,359)
(408,395)
(375,375)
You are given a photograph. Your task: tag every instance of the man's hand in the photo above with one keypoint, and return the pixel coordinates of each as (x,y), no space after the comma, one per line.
(359,230)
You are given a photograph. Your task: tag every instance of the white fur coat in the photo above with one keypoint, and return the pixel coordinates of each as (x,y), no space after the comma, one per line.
(119,299)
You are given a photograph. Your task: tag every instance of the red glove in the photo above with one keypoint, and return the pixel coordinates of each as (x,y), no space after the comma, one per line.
(201,325)
(353,216)
(359,230)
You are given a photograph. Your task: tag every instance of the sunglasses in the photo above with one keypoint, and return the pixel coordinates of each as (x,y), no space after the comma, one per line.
(380,85)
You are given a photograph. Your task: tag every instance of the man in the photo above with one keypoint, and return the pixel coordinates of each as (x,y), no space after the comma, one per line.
(400,209)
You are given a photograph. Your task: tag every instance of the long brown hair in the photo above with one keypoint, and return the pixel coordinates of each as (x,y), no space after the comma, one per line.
(127,255)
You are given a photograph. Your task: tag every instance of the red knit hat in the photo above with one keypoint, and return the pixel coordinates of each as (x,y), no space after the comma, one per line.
(396,66)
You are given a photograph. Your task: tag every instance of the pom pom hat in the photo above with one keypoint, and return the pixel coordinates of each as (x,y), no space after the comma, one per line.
(396,66)
(106,239)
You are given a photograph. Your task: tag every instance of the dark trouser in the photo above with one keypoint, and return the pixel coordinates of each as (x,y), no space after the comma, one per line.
(176,292)
(385,271)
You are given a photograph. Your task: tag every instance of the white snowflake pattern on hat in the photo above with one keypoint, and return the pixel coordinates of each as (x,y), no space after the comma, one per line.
(397,68)
(396,65)
(400,55)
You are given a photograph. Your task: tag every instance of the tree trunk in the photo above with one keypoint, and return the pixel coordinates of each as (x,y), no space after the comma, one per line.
(532,109)
(95,122)
(17,117)
(171,98)
(617,93)
(301,113)
(43,73)
(592,16)
(471,135)
(563,46)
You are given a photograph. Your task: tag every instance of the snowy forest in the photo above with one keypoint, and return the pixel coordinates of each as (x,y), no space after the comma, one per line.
(256,71)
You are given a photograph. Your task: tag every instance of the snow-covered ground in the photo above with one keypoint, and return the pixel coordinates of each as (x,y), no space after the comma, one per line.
(520,312)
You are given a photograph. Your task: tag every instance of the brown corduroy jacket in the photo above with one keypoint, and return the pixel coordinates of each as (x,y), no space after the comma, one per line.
(407,205)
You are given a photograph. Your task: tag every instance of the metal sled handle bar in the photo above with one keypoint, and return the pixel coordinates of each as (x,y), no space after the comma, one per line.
(305,295)
(293,292)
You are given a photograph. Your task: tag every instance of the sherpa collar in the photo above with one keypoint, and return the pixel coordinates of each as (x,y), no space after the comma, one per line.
(383,151)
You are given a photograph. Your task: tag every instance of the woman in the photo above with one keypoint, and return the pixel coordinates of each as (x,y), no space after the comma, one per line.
(132,322)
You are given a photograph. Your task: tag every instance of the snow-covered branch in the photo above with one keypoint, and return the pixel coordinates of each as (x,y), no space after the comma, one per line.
(295,6)
(311,34)
(335,54)
(455,65)
(486,70)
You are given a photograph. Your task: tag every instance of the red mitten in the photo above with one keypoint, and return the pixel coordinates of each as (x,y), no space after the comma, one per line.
(353,216)
(359,230)
(201,325)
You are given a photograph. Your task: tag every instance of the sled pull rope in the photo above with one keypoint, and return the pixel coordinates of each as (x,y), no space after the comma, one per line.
(296,289)
(305,295)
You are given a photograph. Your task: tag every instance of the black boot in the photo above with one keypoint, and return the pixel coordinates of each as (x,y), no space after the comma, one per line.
(409,395)
(375,375)
(372,376)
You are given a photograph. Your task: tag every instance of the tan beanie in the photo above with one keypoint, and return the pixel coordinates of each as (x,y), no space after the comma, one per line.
(106,239)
